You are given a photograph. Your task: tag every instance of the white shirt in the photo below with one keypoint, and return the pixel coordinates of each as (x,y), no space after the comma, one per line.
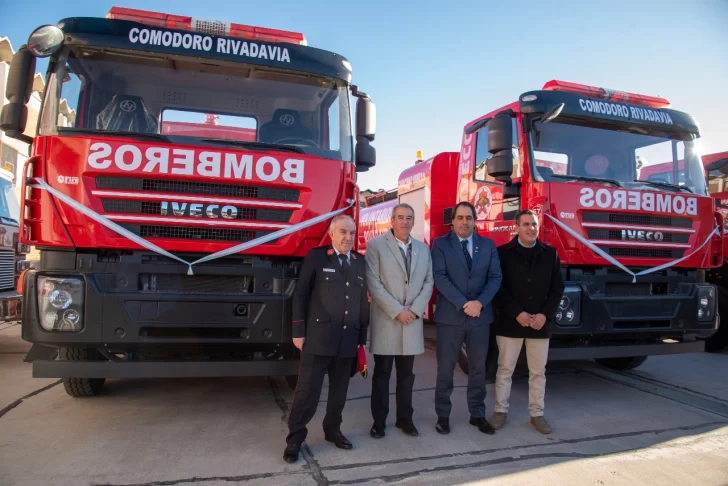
(348,256)
(470,243)
(402,244)
(523,244)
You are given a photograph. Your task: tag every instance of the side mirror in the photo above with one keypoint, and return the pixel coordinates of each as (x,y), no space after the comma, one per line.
(500,133)
(365,154)
(500,166)
(14,115)
(366,119)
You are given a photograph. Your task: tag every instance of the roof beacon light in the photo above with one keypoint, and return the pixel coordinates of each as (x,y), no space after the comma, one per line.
(607,94)
(209,27)
(419,156)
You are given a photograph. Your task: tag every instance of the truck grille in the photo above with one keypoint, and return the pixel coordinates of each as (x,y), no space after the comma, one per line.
(170,209)
(600,234)
(199,188)
(643,252)
(143,207)
(633,235)
(636,219)
(7,270)
(194,233)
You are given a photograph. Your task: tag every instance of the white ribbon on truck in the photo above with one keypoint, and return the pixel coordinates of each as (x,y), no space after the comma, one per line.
(614,262)
(103,220)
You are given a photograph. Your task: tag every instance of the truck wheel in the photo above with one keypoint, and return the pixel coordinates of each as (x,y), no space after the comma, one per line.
(719,340)
(292,381)
(81,387)
(621,364)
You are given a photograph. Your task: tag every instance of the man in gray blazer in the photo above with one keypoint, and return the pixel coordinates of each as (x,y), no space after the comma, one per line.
(467,277)
(399,278)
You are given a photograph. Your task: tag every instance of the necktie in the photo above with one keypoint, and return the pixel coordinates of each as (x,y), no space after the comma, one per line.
(344,263)
(468,258)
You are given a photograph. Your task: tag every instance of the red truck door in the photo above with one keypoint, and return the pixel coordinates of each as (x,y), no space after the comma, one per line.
(496,204)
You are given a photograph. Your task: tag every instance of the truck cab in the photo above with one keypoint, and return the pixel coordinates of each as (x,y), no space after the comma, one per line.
(634,249)
(183,169)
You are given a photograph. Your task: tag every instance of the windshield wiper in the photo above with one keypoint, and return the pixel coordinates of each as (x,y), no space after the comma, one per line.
(588,179)
(254,145)
(113,133)
(667,185)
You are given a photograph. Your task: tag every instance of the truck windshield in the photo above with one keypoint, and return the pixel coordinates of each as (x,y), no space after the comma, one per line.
(9,208)
(564,152)
(177,96)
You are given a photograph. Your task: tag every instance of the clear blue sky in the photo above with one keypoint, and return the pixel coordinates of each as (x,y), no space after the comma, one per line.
(433,66)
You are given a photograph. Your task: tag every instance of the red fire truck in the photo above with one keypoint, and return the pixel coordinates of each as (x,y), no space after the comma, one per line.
(172,209)
(634,251)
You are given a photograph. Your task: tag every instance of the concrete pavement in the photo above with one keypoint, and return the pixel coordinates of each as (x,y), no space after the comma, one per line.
(665,423)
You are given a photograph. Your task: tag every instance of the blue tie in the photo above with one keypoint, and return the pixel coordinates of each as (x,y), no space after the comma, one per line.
(468,258)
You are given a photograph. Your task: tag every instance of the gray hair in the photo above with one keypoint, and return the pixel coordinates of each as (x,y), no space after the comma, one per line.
(402,205)
(338,218)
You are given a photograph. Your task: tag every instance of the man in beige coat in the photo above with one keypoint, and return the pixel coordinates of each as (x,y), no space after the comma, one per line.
(399,277)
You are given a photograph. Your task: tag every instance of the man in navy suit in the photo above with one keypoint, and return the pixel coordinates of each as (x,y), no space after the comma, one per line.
(467,276)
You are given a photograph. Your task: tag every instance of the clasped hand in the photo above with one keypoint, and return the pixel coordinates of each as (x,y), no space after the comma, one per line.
(473,308)
(534,321)
(406,316)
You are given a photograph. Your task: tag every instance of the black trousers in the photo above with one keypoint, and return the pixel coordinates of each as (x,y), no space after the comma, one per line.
(380,387)
(311,374)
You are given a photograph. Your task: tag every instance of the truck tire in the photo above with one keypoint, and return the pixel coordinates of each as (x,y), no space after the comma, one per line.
(81,387)
(719,340)
(622,364)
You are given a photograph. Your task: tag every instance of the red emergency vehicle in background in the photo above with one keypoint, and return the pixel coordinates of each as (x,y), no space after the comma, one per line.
(634,251)
(173,211)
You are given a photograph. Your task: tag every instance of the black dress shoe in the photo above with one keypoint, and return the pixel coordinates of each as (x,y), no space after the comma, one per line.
(482,425)
(408,428)
(443,425)
(377,432)
(291,452)
(339,441)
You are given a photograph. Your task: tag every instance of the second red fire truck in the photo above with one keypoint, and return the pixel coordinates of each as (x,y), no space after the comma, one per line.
(634,251)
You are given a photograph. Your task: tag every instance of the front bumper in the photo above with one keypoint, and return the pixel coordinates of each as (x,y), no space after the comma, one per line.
(611,307)
(141,303)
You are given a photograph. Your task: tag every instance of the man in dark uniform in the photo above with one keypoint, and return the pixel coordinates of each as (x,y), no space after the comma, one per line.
(330,320)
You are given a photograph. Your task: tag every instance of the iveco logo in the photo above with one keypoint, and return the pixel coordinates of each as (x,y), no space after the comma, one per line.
(195,210)
(635,235)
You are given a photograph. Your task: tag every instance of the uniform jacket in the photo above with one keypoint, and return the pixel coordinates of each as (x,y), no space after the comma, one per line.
(392,290)
(456,285)
(536,289)
(329,309)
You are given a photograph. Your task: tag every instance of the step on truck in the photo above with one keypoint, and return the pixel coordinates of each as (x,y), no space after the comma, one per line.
(634,252)
(181,171)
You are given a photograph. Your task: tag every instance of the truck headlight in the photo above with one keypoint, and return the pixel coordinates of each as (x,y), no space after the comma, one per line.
(569,311)
(60,303)
(706,303)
